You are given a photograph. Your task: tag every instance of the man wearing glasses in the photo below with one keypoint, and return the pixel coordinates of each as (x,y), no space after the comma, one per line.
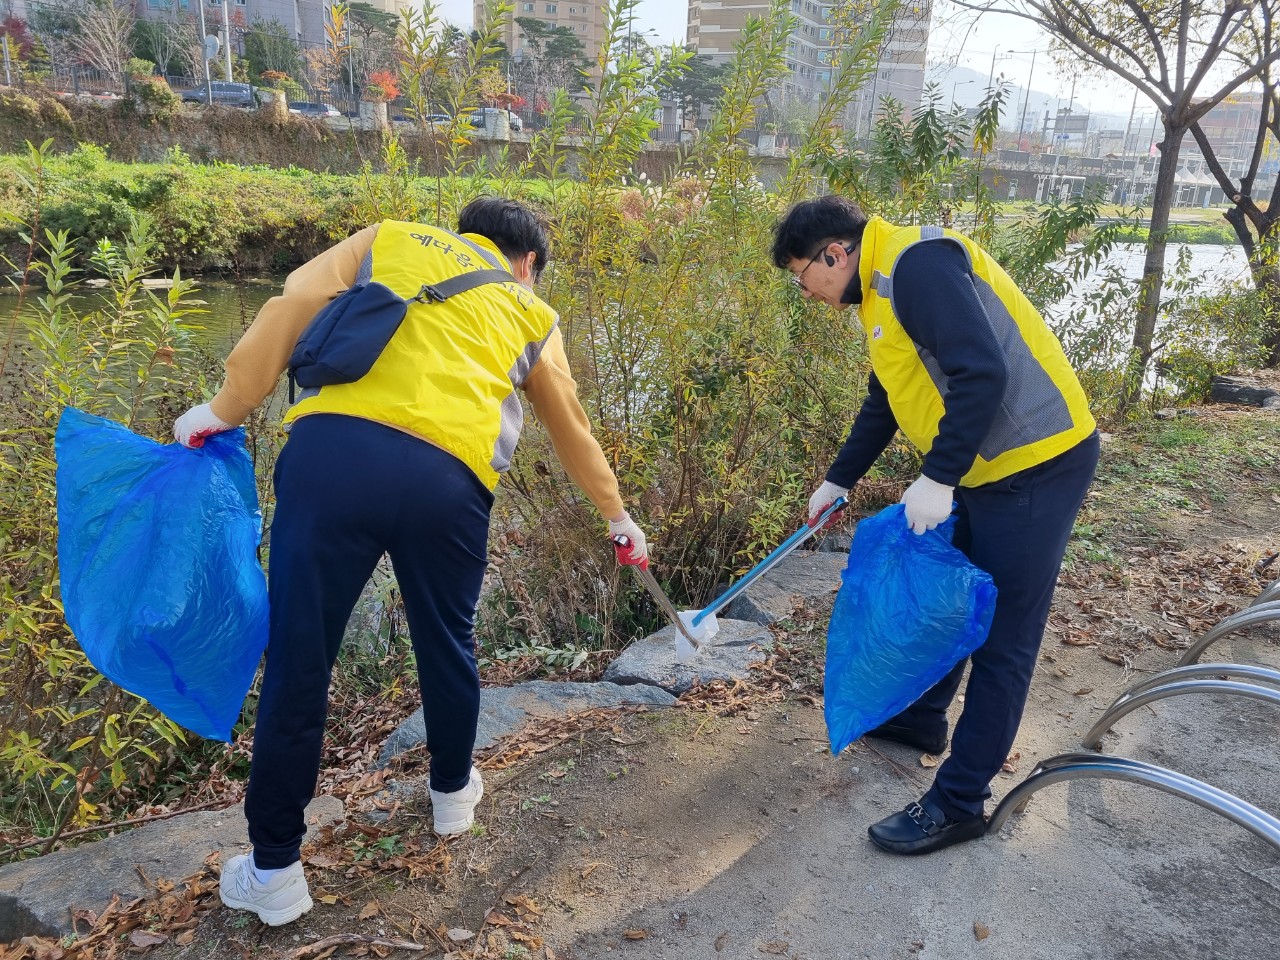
(401,461)
(966,368)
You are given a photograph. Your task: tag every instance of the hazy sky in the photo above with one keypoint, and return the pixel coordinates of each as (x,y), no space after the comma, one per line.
(956,37)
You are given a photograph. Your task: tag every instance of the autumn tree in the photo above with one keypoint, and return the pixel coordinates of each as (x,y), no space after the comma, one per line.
(1256,224)
(1177,54)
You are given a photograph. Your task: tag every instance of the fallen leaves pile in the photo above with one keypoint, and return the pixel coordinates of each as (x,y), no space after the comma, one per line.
(132,928)
(1159,597)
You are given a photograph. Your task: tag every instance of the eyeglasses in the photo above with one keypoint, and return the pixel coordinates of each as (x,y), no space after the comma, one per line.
(798,278)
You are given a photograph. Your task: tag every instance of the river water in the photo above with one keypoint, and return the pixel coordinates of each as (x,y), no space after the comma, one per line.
(231,306)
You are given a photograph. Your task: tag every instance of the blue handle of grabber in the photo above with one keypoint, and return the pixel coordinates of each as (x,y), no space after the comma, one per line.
(793,541)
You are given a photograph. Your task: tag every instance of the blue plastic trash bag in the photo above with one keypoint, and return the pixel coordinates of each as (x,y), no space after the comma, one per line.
(160,584)
(910,608)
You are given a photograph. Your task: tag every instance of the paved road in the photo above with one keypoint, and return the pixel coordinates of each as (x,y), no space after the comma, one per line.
(780,865)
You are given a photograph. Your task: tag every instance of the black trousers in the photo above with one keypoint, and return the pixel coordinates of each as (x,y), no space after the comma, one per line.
(349,490)
(1016,529)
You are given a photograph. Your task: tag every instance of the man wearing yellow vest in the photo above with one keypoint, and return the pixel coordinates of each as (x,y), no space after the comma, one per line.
(966,368)
(401,461)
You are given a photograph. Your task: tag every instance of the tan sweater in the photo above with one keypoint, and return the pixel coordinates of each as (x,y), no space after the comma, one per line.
(262,355)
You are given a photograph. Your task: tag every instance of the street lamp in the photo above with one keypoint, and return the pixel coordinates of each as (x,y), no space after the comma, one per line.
(1026,101)
(958,83)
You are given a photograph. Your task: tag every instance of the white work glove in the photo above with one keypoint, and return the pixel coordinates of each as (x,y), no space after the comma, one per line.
(192,427)
(628,542)
(928,503)
(823,497)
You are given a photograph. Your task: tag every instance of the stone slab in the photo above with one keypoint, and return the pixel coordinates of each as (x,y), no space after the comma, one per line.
(1242,390)
(37,896)
(805,575)
(504,710)
(728,656)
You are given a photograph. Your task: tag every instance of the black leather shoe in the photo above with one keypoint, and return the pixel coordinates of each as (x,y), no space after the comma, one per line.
(923,828)
(933,743)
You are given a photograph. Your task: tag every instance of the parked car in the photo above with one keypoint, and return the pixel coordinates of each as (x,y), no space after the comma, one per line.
(225,94)
(481,117)
(431,120)
(309,108)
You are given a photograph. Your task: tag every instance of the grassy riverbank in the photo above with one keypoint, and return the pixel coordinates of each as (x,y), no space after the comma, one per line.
(210,217)
(1210,233)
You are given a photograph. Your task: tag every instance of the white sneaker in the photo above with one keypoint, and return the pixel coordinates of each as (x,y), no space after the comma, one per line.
(282,899)
(456,811)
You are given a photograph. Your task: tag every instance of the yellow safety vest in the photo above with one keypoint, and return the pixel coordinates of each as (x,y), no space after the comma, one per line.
(451,371)
(1045,411)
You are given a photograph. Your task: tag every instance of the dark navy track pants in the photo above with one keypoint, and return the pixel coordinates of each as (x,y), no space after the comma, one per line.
(1016,529)
(349,490)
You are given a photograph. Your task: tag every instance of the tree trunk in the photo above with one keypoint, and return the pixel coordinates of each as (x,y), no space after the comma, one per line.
(1153,270)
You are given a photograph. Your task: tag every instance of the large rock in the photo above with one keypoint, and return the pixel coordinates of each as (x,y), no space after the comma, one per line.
(37,896)
(728,656)
(504,710)
(1244,391)
(805,575)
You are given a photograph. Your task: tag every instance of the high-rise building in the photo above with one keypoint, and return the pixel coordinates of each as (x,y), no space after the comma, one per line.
(715,27)
(304,19)
(584,18)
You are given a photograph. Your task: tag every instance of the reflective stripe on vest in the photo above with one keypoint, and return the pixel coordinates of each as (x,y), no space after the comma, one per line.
(1044,410)
(451,372)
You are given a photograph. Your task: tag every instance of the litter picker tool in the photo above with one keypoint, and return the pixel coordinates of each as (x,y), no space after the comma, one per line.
(702,625)
(686,645)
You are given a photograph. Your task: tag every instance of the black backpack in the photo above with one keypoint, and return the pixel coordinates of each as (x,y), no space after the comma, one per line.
(342,342)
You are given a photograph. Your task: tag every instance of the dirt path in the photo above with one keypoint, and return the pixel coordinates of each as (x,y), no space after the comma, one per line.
(725,829)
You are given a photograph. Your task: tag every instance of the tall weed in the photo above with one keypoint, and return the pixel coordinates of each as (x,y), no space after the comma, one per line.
(74,749)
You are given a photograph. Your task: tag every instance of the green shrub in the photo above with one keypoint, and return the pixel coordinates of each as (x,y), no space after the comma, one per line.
(75,750)
(156,97)
(138,69)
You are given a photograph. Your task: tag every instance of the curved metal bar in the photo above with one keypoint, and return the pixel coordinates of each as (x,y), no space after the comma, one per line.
(1125,705)
(1248,617)
(1091,766)
(1195,671)
(1268,594)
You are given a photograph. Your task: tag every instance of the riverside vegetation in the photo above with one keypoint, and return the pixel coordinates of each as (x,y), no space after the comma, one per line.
(717,392)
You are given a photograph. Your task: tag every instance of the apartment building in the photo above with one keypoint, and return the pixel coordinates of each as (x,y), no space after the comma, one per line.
(303,18)
(715,27)
(585,18)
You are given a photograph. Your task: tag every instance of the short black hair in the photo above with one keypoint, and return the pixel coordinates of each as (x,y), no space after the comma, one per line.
(812,224)
(515,228)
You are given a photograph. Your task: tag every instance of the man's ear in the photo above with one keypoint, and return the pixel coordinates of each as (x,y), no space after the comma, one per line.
(523,268)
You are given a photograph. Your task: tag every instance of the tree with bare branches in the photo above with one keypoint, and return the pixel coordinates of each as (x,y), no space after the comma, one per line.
(1257,225)
(1177,54)
(105,38)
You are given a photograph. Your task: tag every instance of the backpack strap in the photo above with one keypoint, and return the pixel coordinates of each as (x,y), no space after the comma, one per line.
(365,273)
(442,290)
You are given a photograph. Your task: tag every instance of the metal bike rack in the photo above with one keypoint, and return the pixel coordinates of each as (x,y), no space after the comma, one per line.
(1127,704)
(1092,766)
(1268,594)
(1196,671)
(1248,617)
